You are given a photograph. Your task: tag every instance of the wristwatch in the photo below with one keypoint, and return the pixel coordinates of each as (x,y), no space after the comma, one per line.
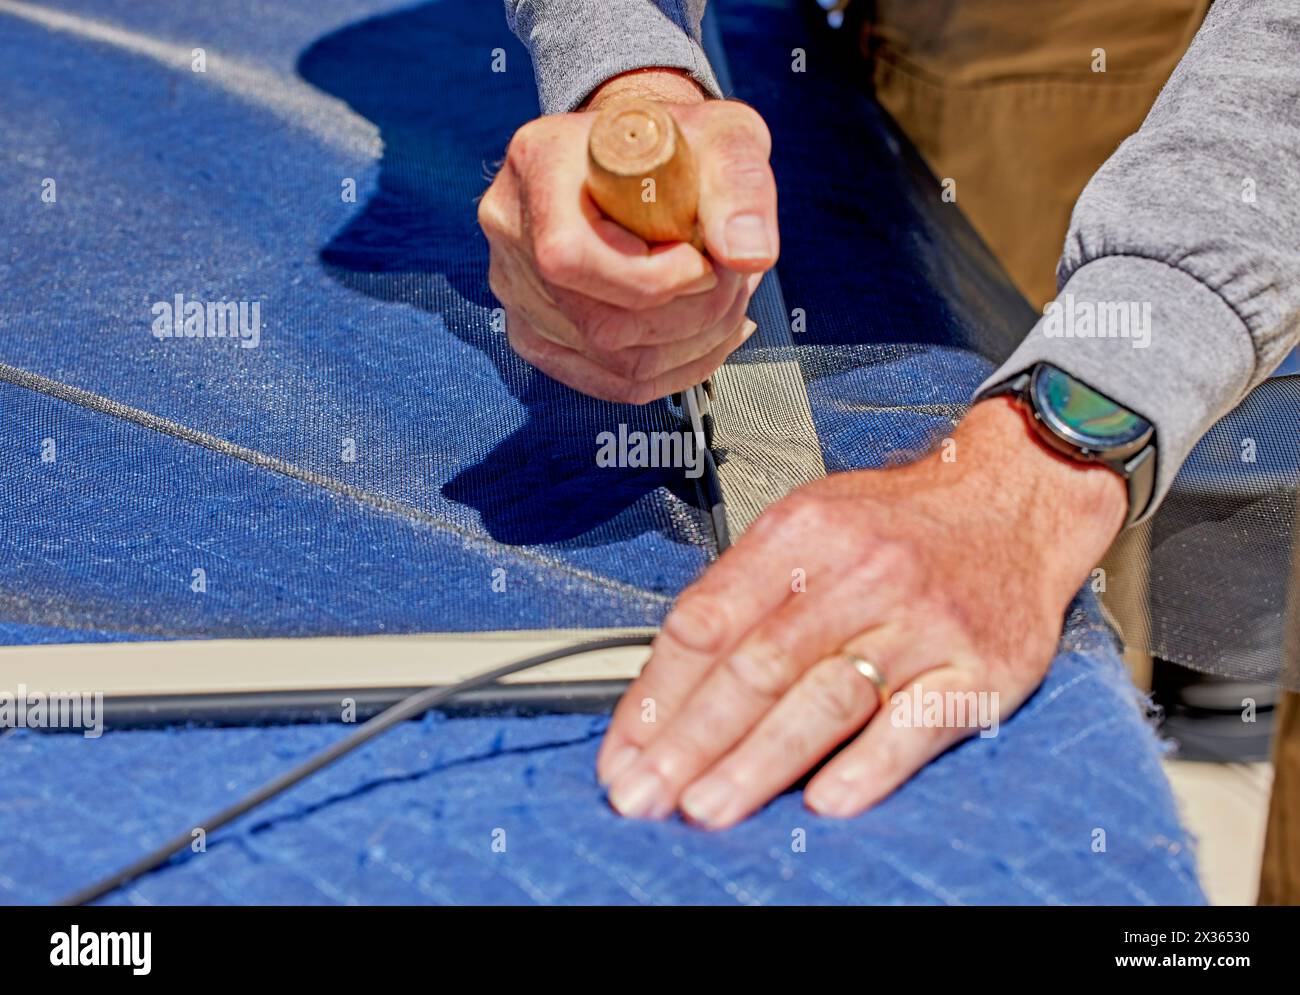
(1084,424)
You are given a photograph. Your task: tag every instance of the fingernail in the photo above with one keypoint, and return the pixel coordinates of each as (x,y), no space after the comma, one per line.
(702,285)
(619,762)
(705,801)
(640,796)
(833,799)
(746,238)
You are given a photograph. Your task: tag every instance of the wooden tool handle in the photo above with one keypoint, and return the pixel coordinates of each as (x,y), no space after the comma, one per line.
(641,172)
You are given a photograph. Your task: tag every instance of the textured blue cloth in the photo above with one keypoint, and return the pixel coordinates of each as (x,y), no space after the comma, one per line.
(379,328)
(414,818)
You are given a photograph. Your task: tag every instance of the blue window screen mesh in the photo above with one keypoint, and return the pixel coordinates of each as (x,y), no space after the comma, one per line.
(379,328)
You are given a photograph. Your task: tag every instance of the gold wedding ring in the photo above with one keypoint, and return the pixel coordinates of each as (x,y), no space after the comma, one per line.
(871,672)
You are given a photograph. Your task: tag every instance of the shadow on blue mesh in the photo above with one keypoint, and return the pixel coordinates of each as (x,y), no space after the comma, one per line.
(539,484)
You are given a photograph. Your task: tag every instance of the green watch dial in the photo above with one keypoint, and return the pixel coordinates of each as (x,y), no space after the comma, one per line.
(1079,412)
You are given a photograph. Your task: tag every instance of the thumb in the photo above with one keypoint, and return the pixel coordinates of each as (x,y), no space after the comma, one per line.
(737,211)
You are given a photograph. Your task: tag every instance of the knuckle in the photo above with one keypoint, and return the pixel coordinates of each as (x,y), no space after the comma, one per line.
(488,211)
(795,741)
(783,511)
(837,694)
(607,329)
(748,122)
(558,259)
(726,309)
(882,560)
(888,759)
(700,622)
(796,520)
(807,514)
(746,177)
(623,391)
(772,523)
(522,144)
(496,215)
(686,754)
(895,559)
(760,669)
(625,364)
(525,351)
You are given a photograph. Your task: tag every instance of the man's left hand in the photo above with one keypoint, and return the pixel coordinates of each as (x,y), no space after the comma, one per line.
(951,574)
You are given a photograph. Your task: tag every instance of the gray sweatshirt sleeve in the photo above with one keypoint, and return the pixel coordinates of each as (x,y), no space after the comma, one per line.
(1197,216)
(1190,232)
(578,44)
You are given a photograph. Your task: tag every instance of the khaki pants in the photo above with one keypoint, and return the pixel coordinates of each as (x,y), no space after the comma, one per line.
(1019,102)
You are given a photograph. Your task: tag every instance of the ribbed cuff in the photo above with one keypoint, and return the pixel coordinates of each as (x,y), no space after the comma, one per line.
(572,55)
(1151,338)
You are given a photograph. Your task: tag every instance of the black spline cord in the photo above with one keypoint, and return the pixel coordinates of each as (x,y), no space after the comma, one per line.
(408,708)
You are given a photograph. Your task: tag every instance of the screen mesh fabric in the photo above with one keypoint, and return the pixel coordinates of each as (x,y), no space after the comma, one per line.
(399,468)
(171,455)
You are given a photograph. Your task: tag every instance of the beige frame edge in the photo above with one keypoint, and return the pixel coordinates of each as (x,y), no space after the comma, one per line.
(233,666)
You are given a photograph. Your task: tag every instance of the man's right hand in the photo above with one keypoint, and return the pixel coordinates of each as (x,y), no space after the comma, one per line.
(594,306)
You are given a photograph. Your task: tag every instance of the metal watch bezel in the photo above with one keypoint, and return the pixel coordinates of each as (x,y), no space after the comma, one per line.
(1070,439)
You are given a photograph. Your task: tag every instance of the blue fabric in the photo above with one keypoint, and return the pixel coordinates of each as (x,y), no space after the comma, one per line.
(379,328)
(414,818)
(279,557)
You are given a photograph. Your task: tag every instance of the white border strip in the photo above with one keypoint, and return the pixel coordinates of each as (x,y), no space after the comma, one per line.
(234,666)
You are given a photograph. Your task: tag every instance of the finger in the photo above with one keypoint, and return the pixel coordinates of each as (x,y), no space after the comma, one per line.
(575,247)
(575,370)
(642,363)
(609,328)
(746,684)
(822,707)
(736,786)
(560,362)
(737,211)
(569,242)
(894,746)
(772,560)
(749,581)
(829,703)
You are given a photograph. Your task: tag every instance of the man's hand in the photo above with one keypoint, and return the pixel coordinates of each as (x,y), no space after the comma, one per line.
(594,306)
(951,575)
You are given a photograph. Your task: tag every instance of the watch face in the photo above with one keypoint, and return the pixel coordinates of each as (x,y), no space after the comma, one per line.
(1082,415)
